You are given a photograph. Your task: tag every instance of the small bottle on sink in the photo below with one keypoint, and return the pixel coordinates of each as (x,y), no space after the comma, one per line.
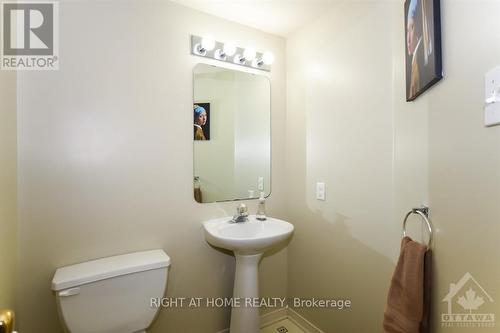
(261,210)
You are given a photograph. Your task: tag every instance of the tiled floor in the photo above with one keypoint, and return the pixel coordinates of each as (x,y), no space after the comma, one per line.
(282,326)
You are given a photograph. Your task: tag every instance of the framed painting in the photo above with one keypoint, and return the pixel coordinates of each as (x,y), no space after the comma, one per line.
(201,123)
(424,66)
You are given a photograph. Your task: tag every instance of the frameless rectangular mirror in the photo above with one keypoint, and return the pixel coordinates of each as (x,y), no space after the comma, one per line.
(231,133)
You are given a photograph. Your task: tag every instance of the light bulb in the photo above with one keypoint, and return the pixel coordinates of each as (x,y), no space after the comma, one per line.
(249,53)
(239,59)
(208,42)
(268,58)
(229,49)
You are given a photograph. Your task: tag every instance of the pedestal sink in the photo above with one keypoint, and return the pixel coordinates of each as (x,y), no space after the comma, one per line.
(248,240)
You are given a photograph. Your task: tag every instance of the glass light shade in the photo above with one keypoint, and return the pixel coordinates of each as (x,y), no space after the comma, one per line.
(268,58)
(249,53)
(208,42)
(229,49)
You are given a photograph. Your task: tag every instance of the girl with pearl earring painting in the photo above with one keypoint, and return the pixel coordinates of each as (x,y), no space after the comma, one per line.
(423,46)
(200,117)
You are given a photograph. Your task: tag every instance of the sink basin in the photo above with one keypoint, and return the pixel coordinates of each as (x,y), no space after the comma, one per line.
(249,237)
(248,240)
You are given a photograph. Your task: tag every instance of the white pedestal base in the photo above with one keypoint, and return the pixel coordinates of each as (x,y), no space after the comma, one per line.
(245,319)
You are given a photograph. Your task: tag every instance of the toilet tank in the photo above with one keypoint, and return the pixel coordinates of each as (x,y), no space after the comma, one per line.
(111,295)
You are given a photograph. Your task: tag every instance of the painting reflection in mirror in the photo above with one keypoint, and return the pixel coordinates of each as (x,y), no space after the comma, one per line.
(201,116)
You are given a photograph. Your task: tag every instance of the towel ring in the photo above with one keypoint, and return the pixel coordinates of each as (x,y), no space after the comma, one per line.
(424,214)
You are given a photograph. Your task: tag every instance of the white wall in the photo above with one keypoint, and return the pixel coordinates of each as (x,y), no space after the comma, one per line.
(8,189)
(106,155)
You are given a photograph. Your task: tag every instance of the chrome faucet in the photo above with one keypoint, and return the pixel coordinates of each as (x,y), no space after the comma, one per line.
(241,214)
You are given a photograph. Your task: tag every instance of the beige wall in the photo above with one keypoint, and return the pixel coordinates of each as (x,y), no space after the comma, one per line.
(8,189)
(106,168)
(347,68)
(340,131)
(446,157)
(106,157)
(464,156)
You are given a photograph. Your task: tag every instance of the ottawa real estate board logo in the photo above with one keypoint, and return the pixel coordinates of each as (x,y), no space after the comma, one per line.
(468,305)
(29,35)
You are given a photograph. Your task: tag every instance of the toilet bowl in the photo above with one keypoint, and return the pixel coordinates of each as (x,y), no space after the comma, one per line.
(111,295)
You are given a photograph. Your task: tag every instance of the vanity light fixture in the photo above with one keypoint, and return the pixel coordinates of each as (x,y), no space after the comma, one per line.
(208,47)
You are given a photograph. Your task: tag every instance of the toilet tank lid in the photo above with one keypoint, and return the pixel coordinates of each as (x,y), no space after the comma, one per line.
(105,268)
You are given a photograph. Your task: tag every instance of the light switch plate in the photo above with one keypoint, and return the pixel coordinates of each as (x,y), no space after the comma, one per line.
(261,184)
(492,98)
(320,191)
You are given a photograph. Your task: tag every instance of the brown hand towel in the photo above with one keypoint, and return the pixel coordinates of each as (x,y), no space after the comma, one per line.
(408,301)
(425,325)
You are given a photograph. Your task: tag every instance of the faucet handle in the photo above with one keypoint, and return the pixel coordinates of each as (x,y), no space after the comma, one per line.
(242,210)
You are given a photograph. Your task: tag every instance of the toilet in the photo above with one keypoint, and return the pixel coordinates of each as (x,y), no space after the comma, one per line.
(111,295)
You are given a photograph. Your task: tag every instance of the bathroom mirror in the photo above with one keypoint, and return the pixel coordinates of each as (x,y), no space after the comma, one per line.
(231,134)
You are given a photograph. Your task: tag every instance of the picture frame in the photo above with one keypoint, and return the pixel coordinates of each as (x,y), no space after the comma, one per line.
(424,66)
(201,121)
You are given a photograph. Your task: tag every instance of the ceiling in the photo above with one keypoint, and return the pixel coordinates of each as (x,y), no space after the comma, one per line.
(279,17)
